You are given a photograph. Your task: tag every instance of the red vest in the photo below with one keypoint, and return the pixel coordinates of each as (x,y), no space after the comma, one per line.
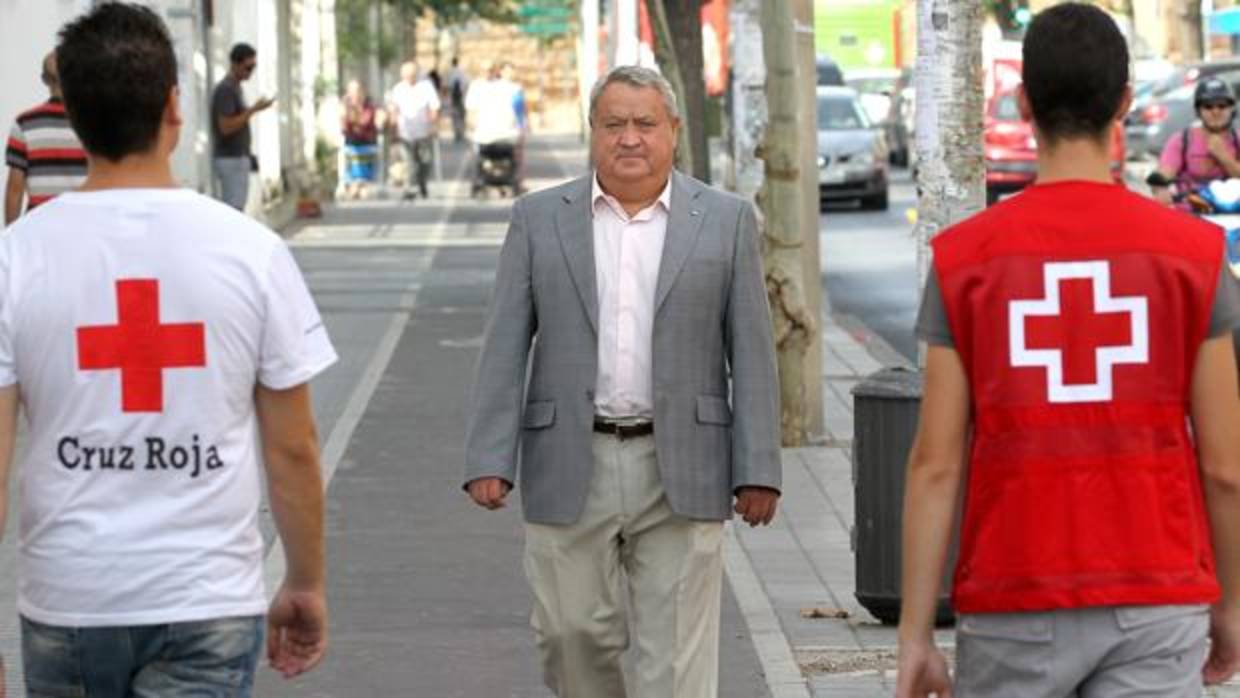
(1078,310)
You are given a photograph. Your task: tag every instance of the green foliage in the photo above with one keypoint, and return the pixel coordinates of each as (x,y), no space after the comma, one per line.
(355,43)
(1005,13)
(452,12)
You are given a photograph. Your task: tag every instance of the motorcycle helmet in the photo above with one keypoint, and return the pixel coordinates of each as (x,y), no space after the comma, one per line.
(1213,90)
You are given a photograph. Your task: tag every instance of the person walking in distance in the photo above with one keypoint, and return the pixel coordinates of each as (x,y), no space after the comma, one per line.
(414,106)
(458,86)
(44,155)
(162,342)
(636,296)
(232,159)
(1081,387)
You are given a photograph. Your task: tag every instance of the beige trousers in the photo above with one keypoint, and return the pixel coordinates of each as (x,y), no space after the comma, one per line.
(629,546)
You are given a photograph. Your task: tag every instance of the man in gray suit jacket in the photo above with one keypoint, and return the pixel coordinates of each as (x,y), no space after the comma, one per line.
(651,402)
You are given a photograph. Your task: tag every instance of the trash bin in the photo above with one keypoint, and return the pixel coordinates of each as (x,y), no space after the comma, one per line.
(885,407)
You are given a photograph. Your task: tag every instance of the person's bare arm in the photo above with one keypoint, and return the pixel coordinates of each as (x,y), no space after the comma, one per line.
(1215,412)
(14,192)
(935,469)
(297,622)
(235,122)
(8,436)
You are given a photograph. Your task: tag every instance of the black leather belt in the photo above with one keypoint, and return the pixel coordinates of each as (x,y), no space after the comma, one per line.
(624,430)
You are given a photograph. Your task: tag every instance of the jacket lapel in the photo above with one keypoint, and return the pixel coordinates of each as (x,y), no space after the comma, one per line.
(683,226)
(576,231)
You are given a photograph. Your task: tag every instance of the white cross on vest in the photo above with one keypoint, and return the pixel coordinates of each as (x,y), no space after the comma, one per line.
(1078,332)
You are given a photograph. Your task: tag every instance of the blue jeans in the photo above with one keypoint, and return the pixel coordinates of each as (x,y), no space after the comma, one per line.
(233,175)
(205,659)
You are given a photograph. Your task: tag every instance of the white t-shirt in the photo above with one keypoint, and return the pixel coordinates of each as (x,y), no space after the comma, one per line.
(414,105)
(137,323)
(491,104)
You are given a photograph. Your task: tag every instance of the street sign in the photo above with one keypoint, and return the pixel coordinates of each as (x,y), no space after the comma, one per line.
(547,29)
(545,17)
(545,8)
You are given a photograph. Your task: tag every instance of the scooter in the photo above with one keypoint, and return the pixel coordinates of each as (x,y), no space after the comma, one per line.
(1217,202)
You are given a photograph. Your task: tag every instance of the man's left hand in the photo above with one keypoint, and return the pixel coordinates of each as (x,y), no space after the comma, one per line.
(757,505)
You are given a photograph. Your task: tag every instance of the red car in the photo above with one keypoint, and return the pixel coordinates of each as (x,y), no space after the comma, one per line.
(1012,151)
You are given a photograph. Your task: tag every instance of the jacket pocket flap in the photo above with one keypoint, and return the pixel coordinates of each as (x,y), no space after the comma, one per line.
(712,409)
(539,414)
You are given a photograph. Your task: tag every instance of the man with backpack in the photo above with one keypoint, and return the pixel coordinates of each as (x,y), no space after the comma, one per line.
(458,85)
(1201,154)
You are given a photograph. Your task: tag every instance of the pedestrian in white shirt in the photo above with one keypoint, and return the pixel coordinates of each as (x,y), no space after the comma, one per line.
(415,106)
(162,342)
(494,126)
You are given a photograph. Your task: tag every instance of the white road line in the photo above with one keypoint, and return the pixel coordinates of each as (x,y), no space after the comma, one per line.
(783,674)
(342,432)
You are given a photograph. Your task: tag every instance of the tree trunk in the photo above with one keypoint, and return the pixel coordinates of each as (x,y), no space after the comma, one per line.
(781,200)
(811,261)
(749,112)
(669,64)
(951,175)
(684,19)
(1190,30)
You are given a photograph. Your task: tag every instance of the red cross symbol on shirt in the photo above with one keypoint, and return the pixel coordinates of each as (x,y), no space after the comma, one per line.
(139,346)
(1078,332)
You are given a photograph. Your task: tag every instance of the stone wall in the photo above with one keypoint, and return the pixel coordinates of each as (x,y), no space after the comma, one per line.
(546,68)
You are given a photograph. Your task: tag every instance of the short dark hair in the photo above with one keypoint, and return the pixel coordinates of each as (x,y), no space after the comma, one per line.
(117,69)
(241,52)
(1075,71)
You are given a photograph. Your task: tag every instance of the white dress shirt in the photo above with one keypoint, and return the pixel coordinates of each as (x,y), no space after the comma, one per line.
(627,252)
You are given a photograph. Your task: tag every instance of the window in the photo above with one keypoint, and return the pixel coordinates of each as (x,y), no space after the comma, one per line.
(840,114)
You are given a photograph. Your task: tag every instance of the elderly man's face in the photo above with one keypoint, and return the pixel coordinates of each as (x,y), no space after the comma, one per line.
(633,138)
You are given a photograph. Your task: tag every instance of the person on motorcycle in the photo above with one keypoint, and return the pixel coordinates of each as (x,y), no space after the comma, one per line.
(1197,156)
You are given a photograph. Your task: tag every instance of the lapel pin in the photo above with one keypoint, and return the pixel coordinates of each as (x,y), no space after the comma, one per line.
(694,212)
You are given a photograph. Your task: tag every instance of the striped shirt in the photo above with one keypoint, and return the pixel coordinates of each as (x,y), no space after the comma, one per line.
(43,145)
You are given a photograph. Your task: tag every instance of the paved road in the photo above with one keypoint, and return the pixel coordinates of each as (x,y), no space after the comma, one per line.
(426,590)
(869,266)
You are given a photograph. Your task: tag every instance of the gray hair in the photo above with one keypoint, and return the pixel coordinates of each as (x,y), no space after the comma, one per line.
(636,76)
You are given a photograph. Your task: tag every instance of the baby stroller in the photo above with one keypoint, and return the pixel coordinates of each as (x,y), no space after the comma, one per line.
(496,167)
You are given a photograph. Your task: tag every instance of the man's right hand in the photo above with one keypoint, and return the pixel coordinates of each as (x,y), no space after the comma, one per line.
(922,671)
(1224,657)
(489,492)
(296,630)
(262,104)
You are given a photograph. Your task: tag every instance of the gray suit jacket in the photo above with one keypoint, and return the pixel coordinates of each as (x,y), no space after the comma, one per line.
(712,332)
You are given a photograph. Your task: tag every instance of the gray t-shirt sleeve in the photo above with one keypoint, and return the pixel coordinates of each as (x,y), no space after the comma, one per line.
(932,325)
(1225,313)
